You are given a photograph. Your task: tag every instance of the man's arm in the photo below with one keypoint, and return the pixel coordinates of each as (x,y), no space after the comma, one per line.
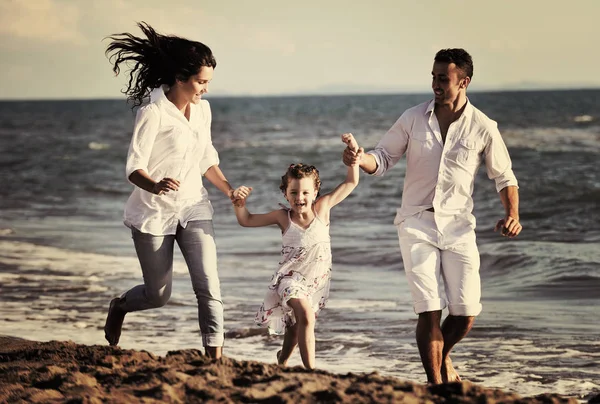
(510,225)
(366,162)
(388,151)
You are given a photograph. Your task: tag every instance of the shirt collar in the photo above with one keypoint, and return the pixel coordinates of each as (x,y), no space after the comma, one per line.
(468,112)
(159,93)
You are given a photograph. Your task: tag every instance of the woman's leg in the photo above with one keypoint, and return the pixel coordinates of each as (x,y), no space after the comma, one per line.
(197,244)
(155,254)
(305,321)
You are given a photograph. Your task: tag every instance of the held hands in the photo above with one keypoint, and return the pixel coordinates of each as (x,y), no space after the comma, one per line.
(165,185)
(509,226)
(352,154)
(238,196)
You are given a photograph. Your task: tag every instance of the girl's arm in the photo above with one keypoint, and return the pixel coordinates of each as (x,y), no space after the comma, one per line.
(328,201)
(247,219)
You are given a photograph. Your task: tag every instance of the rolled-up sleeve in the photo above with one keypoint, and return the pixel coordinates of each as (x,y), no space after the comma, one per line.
(146,127)
(210,157)
(497,161)
(392,146)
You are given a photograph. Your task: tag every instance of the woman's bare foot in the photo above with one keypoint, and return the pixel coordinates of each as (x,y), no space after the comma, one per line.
(214,352)
(114,322)
(449,374)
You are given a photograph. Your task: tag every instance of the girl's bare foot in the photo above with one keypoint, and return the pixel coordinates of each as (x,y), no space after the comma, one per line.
(279,362)
(114,322)
(449,374)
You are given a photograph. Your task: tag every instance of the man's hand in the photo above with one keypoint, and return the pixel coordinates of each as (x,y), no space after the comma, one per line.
(509,227)
(351,157)
(165,185)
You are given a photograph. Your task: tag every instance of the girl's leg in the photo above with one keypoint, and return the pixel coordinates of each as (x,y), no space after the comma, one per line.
(305,321)
(155,254)
(198,247)
(290,340)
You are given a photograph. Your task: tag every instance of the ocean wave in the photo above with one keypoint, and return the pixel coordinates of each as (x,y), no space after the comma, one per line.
(554,139)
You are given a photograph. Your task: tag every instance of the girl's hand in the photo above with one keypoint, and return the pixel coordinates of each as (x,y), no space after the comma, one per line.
(165,185)
(239,196)
(350,141)
(351,157)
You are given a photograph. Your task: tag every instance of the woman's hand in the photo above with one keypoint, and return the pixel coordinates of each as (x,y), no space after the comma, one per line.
(165,185)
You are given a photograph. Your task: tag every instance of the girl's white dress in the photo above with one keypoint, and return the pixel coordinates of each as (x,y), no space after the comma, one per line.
(304,272)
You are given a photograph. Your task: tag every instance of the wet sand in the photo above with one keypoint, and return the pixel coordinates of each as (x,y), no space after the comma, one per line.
(63,371)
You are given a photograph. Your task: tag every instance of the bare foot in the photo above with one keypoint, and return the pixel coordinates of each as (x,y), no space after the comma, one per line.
(114,322)
(449,374)
(279,362)
(214,352)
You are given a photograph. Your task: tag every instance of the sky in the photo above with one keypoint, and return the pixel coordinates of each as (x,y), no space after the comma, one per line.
(54,49)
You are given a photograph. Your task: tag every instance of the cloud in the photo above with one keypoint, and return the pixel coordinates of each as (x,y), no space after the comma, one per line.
(46,21)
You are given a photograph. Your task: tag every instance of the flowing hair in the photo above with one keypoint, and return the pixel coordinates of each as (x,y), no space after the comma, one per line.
(155,60)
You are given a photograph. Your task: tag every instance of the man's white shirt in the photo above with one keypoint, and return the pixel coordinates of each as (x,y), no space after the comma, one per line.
(442,174)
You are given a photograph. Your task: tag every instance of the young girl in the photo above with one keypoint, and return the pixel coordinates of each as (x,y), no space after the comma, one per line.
(170,151)
(300,288)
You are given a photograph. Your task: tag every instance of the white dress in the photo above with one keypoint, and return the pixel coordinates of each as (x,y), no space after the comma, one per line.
(304,272)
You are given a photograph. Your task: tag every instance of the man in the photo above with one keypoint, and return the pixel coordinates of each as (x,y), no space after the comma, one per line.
(445,141)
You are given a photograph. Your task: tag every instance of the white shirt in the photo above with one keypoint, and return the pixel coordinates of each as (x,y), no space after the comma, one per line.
(441,175)
(166,144)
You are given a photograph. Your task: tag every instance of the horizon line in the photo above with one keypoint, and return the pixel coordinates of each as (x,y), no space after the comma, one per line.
(318,94)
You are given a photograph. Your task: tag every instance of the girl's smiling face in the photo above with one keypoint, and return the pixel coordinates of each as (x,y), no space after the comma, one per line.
(301,194)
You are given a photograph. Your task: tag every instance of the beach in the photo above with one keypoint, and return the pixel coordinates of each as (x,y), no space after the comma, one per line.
(65,253)
(67,372)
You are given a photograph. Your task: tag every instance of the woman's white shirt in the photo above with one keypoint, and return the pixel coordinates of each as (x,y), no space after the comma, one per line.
(166,145)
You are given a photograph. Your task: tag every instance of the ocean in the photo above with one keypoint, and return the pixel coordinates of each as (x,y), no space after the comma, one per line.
(64,252)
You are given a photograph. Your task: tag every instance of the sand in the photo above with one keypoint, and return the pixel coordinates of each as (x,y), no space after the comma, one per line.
(63,371)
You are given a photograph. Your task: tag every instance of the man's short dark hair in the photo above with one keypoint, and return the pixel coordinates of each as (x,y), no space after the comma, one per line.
(459,57)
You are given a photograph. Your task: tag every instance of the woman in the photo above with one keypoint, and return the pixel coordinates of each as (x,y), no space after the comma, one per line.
(171,150)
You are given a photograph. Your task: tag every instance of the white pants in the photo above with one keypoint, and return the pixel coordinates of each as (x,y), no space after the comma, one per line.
(442,270)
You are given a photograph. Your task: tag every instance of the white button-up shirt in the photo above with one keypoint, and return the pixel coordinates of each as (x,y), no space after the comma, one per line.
(166,144)
(441,174)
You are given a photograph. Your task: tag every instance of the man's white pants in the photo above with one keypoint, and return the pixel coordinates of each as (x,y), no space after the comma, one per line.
(441,269)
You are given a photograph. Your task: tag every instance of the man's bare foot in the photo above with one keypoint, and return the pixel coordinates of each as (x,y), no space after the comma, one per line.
(449,374)
(114,322)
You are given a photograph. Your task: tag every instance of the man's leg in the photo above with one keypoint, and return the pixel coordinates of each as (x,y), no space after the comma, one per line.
(421,257)
(460,269)
(454,329)
(431,343)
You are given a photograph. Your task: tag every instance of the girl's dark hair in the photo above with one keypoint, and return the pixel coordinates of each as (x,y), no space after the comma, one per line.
(299,171)
(156,60)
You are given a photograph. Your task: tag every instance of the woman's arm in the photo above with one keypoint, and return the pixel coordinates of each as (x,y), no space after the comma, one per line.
(217,178)
(140,178)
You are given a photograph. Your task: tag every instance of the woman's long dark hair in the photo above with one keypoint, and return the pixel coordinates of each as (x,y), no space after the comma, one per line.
(157,60)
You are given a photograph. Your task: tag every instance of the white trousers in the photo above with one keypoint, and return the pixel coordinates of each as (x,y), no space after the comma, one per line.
(442,270)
